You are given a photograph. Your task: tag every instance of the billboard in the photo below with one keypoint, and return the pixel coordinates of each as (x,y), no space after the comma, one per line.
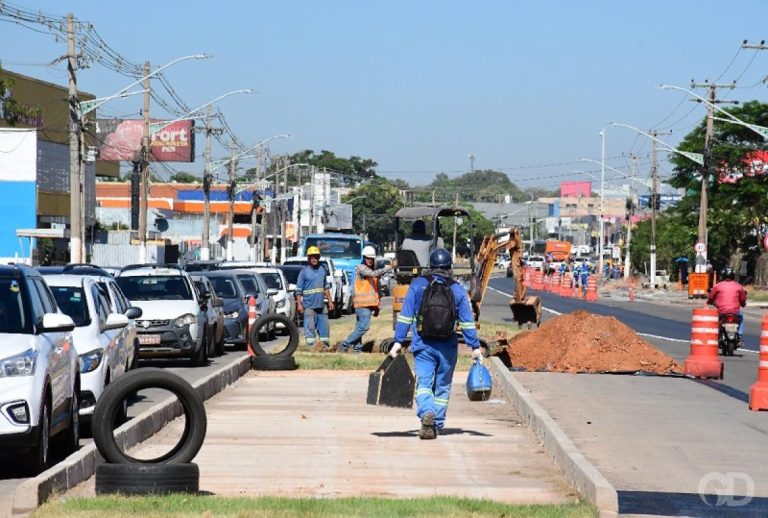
(755,164)
(120,139)
(576,189)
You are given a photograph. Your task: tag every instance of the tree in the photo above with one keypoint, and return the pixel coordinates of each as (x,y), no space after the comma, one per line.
(481,227)
(14,112)
(374,204)
(183,177)
(478,186)
(349,171)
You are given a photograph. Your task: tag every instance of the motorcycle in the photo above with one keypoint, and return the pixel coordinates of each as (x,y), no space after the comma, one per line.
(728,338)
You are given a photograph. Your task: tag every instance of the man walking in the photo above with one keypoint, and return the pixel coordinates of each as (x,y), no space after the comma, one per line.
(433,305)
(311,291)
(366,298)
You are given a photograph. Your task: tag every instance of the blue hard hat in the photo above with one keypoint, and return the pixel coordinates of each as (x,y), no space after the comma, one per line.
(440,258)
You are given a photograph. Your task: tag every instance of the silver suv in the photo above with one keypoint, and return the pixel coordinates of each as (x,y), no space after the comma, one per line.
(173,323)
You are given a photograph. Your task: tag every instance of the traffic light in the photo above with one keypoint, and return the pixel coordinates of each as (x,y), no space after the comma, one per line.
(654,200)
(257,208)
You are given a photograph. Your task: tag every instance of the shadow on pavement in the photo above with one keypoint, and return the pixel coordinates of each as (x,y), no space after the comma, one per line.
(725,389)
(444,431)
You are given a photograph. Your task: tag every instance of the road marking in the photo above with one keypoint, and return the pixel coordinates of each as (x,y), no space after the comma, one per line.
(647,335)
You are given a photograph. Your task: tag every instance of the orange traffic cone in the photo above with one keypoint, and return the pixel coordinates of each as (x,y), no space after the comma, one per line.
(591,289)
(758,393)
(703,361)
(565,286)
(251,320)
(631,294)
(556,283)
(538,280)
(527,277)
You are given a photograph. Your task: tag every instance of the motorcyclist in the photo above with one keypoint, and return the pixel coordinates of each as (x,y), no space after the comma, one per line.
(728,296)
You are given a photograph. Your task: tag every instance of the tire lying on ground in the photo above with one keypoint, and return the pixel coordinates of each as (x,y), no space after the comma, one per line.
(147,479)
(267,363)
(108,406)
(273,318)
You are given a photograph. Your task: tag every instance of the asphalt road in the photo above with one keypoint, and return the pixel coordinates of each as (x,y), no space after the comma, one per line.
(665,325)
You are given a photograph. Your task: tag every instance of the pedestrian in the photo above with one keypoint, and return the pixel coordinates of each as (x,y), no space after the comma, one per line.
(366,298)
(312,289)
(432,307)
(584,274)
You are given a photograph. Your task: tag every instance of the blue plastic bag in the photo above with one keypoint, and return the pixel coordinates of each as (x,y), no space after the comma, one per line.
(479,382)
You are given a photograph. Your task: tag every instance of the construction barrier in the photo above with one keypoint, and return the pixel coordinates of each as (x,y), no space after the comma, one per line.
(698,283)
(527,277)
(251,320)
(758,393)
(565,285)
(631,294)
(591,289)
(703,362)
(556,283)
(538,280)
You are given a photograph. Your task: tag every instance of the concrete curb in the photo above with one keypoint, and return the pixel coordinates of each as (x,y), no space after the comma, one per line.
(580,473)
(81,465)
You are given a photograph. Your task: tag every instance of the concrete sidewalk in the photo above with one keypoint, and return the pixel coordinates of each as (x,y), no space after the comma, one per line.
(310,434)
(668,445)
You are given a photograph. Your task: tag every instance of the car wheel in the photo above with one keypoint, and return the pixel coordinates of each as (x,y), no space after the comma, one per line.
(147,479)
(200,356)
(210,346)
(36,460)
(70,439)
(220,346)
(135,359)
(150,377)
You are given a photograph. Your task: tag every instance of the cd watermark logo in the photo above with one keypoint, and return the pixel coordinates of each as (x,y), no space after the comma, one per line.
(731,489)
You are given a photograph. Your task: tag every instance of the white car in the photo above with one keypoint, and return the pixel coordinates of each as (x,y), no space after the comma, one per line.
(535,261)
(277,289)
(333,278)
(173,322)
(39,374)
(348,293)
(99,337)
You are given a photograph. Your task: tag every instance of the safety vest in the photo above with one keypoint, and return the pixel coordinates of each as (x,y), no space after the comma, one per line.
(366,292)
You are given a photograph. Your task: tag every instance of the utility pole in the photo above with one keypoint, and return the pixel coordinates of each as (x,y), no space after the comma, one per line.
(298,209)
(602,203)
(144,190)
(205,251)
(284,226)
(75,135)
(471,164)
(231,212)
(275,219)
(706,170)
(312,228)
(455,219)
(255,233)
(630,213)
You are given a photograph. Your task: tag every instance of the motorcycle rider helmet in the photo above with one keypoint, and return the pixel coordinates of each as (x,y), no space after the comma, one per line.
(440,258)
(728,273)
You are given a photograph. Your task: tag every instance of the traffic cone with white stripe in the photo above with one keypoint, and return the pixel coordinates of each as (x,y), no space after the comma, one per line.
(251,320)
(703,361)
(758,393)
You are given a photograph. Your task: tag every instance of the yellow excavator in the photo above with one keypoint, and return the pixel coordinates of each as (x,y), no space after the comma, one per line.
(525,309)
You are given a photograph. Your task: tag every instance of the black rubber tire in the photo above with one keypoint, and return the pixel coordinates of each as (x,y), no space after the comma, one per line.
(219,346)
(149,377)
(386,345)
(290,327)
(272,333)
(147,479)
(69,439)
(200,358)
(266,363)
(37,459)
(135,359)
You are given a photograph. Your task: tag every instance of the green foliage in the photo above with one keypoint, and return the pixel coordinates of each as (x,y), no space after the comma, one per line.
(675,237)
(353,169)
(13,111)
(183,177)
(481,185)
(481,226)
(376,201)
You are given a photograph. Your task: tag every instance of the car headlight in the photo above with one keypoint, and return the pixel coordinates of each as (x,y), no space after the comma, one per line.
(232,314)
(90,361)
(280,304)
(185,320)
(20,365)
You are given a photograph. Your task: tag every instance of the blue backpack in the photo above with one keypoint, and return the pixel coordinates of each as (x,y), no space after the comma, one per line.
(479,383)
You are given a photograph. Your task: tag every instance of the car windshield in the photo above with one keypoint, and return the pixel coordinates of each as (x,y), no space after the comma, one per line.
(155,287)
(71,301)
(249,283)
(224,287)
(272,280)
(337,247)
(13,318)
(291,274)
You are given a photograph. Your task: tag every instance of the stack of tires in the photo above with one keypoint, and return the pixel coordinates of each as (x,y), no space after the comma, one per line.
(274,359)
(172,472)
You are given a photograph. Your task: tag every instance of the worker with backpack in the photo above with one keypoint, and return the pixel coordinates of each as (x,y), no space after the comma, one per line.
(433,306)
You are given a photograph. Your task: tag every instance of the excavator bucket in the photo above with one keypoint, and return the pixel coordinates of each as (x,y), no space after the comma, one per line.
(527,311)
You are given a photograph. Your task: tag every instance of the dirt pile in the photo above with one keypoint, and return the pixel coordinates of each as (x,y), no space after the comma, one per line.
(583,342)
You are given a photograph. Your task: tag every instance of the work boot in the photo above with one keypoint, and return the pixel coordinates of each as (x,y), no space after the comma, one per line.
(318,347)
(428,426)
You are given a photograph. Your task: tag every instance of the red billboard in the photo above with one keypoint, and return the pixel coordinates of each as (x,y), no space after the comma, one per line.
(580,189)
(120,139)
(755,164)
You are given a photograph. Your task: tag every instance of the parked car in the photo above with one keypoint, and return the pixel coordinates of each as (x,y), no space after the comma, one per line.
(39,371)
(277,289)
(214,314)
(104,350)
(291,274)
(333,279)
(228,288)
(535,261)
(386,280)
(348,293)
(254,285)
(173,321)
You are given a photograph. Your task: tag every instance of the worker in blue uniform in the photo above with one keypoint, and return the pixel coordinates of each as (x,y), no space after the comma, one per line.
(584,274)
(312,290)
(435,358)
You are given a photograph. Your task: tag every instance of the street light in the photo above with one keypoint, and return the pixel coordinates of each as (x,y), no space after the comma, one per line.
(190,115)
(695,157)
(602,196)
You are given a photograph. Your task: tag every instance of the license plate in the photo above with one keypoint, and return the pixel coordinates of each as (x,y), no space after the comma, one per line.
(149,339)
(731,328)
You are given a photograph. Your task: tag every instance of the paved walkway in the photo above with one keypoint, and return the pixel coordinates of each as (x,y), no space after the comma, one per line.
(310,433)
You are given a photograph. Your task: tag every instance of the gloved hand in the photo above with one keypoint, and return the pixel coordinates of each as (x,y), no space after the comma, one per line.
(396,348)
(477,354)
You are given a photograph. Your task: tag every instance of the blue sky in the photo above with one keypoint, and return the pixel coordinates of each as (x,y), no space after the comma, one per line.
(419,85)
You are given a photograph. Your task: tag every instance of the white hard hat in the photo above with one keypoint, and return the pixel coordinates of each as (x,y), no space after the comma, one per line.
(369,251)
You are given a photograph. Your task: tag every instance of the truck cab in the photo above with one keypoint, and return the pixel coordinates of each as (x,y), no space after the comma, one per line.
(346,250)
